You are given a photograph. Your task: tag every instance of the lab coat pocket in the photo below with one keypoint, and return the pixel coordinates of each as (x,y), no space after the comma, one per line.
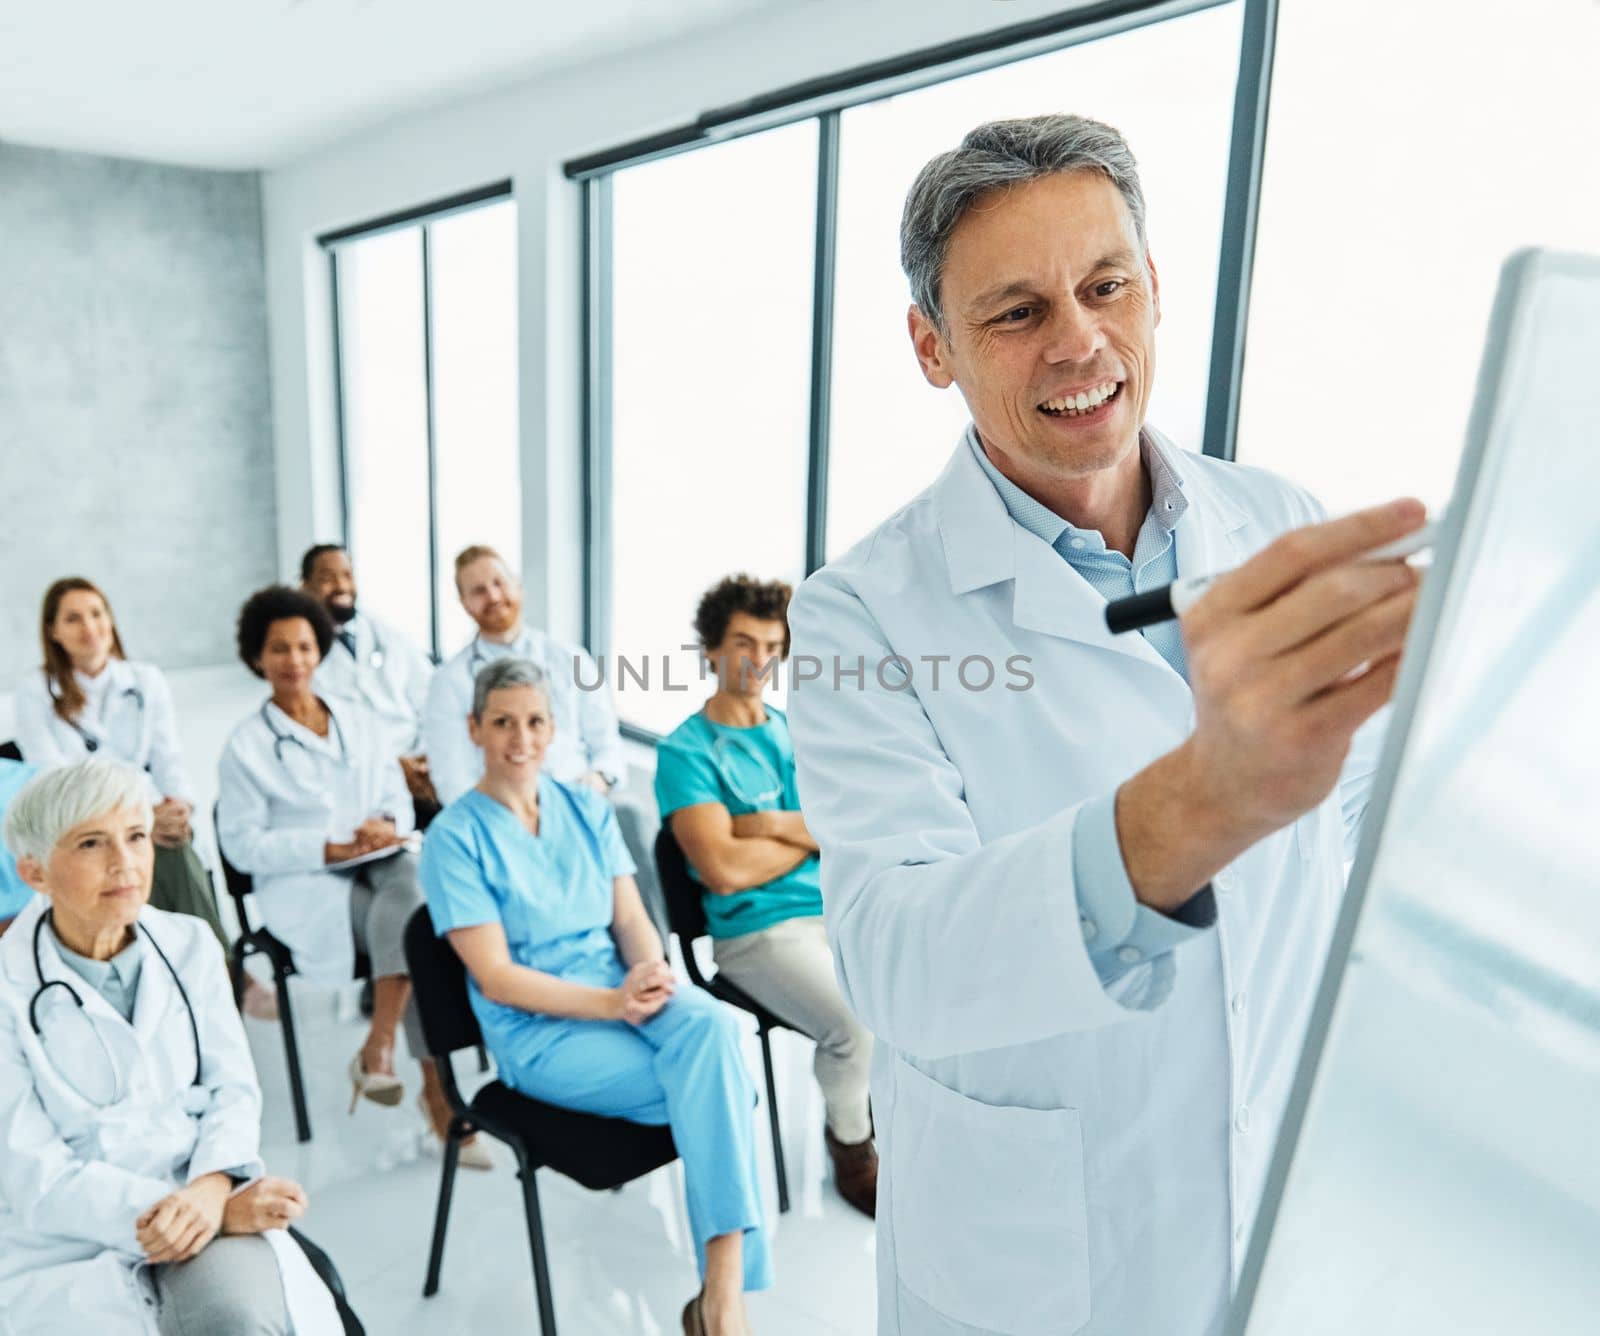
(988,1209)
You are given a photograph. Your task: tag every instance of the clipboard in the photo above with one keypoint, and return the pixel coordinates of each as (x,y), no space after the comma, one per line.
(411,844)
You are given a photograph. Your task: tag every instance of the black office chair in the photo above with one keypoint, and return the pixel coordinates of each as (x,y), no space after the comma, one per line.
(687,916)
(259,941)
(598,1152)
(323,1265)
(9,751)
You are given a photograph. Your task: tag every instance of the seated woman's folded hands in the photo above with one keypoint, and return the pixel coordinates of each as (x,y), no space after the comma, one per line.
(646,989)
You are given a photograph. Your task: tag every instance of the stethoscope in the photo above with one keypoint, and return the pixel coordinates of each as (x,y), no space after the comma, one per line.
(375,659)
(119,1090)
(91,744)
(723,742)
(279,738)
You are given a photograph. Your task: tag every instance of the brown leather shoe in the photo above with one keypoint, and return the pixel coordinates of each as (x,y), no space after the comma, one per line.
(693,1323)
(855,1172)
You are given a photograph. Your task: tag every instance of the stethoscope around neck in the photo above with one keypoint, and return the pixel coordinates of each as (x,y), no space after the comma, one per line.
(374,659)
(119,1090)
(91,744)
(280,739)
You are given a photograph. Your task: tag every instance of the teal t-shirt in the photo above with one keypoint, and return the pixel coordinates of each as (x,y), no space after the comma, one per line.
(746,770)
(14,892)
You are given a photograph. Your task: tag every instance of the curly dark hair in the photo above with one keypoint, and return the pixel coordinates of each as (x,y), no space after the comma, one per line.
(764,599)
(279,603)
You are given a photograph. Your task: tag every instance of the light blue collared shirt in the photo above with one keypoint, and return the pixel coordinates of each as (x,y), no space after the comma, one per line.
(116,980)
(1119,931)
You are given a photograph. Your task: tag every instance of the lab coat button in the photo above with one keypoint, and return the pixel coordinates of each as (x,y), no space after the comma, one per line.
(1238,1233)
(1238,1004)
(1090,929)
(1241,1120)
(1129,955)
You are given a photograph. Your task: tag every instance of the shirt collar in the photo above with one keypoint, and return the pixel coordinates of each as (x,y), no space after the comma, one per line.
(1167,501)
(521,647)
(124,966)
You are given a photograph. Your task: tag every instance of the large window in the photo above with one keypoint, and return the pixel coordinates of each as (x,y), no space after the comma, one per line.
(427,340)
(1385,218)
(711,343)
(754,401)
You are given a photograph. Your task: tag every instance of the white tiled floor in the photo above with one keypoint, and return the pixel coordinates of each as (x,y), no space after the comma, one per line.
(621,1263)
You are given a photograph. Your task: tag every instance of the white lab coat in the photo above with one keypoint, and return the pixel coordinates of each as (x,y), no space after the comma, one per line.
(387,673)
(129,714)
(1058,1156)
(587,736)
(74,1177)
(277,805)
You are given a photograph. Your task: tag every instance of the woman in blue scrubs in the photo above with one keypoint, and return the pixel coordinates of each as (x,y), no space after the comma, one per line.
(530,881)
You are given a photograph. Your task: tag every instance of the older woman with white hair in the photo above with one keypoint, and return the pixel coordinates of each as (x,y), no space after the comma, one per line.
(529,879)
(132,1195)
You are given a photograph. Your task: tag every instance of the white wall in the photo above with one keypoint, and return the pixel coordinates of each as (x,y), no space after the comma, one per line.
(526,134)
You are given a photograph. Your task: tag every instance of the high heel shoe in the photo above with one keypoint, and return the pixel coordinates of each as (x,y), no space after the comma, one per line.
(473,1154)
(379,1087)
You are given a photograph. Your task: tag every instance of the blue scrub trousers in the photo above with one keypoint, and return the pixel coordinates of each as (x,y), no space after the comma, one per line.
(684,1068)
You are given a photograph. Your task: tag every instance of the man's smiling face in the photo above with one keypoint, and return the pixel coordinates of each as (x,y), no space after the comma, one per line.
(1050,312)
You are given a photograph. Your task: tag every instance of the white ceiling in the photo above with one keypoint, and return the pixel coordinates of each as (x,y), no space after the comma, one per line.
(257,83)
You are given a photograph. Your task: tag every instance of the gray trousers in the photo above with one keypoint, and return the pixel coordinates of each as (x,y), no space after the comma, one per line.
(788,968)
(383,897)
(231,1289)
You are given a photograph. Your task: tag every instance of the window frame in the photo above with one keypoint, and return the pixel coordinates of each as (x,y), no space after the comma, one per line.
(824,100)
(423,216)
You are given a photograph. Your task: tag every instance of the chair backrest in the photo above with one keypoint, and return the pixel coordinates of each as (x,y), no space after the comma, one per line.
(686,914)
(10,751)
(328,1273)
(439,988)
(239,883)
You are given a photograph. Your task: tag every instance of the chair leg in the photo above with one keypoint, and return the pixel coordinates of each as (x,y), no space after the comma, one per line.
(441,1217)
(541,1269)
(291,1050)
(236,971)
(772,1115)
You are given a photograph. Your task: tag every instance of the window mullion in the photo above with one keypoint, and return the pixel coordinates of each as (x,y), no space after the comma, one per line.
(825,258)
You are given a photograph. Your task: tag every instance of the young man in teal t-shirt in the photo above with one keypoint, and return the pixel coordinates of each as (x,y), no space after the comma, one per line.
(725,783)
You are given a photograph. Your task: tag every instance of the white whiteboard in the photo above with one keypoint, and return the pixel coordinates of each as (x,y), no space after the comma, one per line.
(1439,1168)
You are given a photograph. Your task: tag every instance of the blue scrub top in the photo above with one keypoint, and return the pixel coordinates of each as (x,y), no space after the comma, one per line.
(14,892)
(551,893)
(746,770)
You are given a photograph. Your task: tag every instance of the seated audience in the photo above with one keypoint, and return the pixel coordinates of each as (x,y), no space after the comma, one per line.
(530,881)
(725,780)
(308,783)
(372,662)
(14,892)
(132,1195)
(89,699)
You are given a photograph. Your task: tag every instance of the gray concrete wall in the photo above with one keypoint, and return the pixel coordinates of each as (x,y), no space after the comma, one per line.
(135,422)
